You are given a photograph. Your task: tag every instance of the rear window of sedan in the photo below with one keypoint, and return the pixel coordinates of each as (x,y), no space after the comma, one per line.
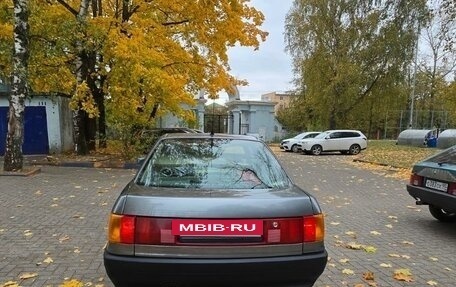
(446,156)
(212,163)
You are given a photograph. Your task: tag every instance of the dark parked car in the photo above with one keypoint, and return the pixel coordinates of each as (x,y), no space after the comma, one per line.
(214,210)
(433,182)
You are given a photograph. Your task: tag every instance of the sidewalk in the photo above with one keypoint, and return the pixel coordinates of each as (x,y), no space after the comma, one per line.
(96,161)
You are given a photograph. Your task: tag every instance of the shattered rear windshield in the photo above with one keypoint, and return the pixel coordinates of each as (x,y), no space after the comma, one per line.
(446,156)
(212,163)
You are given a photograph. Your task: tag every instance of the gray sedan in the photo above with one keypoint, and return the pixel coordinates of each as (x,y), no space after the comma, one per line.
(214,210)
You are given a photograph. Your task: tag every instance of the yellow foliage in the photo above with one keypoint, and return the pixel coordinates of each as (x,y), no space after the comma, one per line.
(72,283)
(82,99)
(162,55)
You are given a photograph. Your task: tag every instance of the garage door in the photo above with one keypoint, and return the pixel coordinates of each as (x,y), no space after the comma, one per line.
(36,139)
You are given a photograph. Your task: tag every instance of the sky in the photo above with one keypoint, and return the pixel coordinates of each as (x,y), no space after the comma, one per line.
(268,69)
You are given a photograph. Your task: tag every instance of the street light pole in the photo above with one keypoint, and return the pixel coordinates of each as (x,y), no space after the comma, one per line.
(412,100)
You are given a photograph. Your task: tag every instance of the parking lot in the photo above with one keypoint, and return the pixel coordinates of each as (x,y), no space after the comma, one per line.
(53,225)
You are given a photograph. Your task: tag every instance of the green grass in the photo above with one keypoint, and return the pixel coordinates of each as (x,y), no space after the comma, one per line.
(388,153)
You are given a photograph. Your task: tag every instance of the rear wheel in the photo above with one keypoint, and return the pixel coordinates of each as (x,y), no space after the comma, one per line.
(441,214)
(316,150)
(354,149)
(294,148)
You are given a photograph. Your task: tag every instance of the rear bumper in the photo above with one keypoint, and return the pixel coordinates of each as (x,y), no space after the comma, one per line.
(439,199)
(300,270)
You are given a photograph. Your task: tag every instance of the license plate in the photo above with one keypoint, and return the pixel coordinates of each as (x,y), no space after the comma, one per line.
(442,186)
(198,227)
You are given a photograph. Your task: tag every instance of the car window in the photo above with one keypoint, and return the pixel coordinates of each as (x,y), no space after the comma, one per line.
(212,164)
(311,135)
(335,135)
(350,135)
(446,156)
(322,135)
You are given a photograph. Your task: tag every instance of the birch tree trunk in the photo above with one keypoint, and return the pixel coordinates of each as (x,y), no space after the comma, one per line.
(80,144)
(19,89)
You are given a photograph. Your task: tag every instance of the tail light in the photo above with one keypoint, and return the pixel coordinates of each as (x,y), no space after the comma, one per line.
(295,230)
(122,229)
(128,229)
(416,180)
(452,188)
(314,228)
(140,230)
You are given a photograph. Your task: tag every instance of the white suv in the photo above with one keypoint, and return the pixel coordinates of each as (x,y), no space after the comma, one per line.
(291,144)
(345,141)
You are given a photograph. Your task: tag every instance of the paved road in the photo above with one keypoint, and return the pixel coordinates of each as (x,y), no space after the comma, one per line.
(61,214)
(368,208)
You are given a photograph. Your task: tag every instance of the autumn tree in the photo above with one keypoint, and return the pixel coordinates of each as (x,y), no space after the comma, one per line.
(19,88)
(350,56)
(140,59)
(438,62)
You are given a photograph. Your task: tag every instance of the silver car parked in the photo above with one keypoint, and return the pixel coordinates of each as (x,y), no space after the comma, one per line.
(214,210)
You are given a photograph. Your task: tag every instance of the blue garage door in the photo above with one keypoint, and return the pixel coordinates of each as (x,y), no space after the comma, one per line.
(35,130)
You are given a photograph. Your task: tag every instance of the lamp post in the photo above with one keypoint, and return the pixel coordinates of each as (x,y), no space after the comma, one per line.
(412,95)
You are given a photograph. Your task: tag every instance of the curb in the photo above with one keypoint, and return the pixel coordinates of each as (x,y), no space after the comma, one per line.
(26,171)
(95,164)
(377,163)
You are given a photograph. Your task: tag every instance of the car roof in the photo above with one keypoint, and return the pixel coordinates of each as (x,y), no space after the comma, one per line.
(330,131)
(209,136)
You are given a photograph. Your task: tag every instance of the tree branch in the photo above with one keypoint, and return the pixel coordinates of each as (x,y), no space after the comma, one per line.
(175,22)
(68,7)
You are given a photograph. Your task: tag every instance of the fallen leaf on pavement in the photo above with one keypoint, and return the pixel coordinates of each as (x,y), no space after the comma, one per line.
(72,283)
(375,233)
(432,283)
(370,249)
(344,260)
(48,260)
(433,259)
(403,275)
(348,272)
(385,265)
(394,255)
(28,276)
(369,276)
(354,246)
(64,238)
(10,284)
